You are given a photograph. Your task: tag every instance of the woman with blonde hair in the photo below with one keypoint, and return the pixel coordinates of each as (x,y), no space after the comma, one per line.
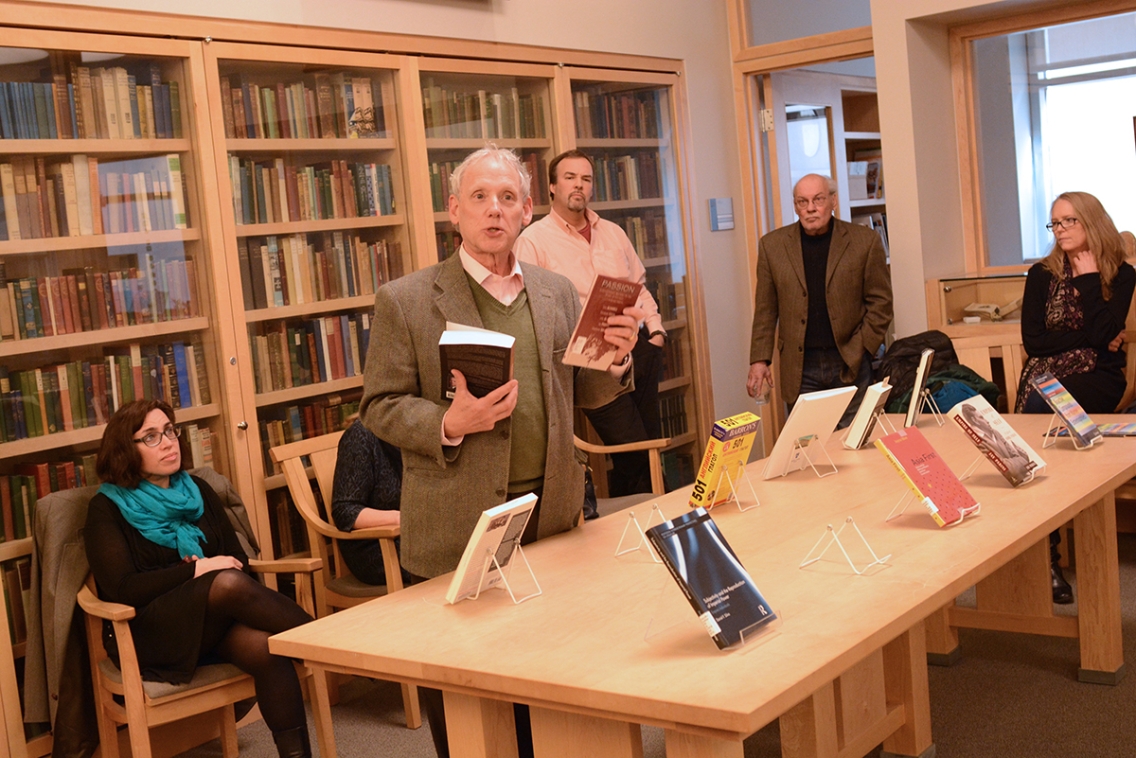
(1074,308)
(1073,313)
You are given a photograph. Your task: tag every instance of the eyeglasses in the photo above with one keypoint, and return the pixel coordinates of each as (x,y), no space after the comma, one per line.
(1066,223)
(805,202)
(153,439)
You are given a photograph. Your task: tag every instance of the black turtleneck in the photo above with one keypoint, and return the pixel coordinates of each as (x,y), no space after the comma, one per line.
(814,254)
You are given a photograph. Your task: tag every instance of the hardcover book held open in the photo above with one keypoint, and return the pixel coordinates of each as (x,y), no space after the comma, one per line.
(496,536)
(928,476)
(587,347)
(997,440)
(714,581)
(483,356)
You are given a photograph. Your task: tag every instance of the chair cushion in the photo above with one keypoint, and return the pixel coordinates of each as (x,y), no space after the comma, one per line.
(349,586)
(204,676)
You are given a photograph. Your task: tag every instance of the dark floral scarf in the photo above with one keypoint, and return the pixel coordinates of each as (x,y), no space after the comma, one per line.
(1062,312)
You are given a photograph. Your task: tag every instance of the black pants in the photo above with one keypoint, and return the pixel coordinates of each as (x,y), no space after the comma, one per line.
(432,701)
(632,417)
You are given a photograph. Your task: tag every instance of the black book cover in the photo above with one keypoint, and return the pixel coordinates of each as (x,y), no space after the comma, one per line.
(711,576)
(484,357)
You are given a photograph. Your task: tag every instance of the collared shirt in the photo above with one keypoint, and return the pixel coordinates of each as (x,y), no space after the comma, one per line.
(553,243)
(504,289)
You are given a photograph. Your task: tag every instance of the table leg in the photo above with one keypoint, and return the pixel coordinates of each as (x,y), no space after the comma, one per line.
(808,730)
(683,745)
(905,681)
(942,638)
(1098,590)
(557,733)
(479,727)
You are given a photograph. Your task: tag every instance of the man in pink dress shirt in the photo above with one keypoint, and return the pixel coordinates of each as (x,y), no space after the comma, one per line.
(574,241)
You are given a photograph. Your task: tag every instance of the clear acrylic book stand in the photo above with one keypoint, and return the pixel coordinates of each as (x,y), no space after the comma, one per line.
(512,553)
(673,622)
(974,467)
(833,536)
(909,497)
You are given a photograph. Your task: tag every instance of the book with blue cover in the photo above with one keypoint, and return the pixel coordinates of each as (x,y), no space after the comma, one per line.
(714,581)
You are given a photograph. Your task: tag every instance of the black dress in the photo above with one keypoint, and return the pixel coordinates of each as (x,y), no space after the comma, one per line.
(170,601)
(368,474)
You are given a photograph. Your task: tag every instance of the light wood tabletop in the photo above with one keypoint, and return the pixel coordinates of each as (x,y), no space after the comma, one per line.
(611,643)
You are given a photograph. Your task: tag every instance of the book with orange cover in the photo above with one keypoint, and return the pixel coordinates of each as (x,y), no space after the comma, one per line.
(928,476)
(587,347)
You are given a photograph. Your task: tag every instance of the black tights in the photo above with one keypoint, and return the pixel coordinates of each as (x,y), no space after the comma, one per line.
(242,614)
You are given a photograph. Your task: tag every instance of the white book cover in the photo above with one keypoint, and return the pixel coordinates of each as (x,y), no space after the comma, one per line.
(997,440)
(498,532)
(811,422)
(875,399)
(921,373)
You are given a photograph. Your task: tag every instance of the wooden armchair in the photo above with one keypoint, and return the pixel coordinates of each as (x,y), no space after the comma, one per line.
(976,352)
(337,587)
(213,689)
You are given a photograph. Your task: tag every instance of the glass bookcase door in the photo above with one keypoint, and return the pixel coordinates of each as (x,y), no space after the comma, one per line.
(106,289)
(312,193)
(628,129)
(463,108)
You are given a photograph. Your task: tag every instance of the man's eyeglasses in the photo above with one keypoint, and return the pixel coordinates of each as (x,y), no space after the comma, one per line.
(1066,223)
(153,439)
(805,202)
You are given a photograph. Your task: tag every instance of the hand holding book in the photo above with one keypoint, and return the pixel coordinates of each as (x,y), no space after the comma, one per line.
(609,325)
(468,414)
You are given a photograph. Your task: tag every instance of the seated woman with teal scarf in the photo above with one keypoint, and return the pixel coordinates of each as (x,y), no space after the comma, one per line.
(159,540)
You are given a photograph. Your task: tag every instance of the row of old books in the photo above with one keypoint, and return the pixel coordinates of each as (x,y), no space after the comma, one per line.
(672,414)
(482,114)
(267,192)
(81,394)
(617,115)
(440,180)
(670,297)
(290,535)
(647,232)
(296,354)
(97,103)
(17,578)
(83,300)
(321,105)
(634,176)
(78,196)
(281,425)
(296,269)
(448,241)
(672,357)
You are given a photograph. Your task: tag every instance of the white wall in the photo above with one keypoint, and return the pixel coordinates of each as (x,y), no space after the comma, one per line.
(780,20)
(692,30)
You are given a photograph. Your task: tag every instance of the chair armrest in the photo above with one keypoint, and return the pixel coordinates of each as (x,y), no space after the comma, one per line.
(627,447)
(372,533)
(103,609)
(286,565)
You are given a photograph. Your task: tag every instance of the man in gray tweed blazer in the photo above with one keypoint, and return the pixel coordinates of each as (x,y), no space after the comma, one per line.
(463,456)
(824,284)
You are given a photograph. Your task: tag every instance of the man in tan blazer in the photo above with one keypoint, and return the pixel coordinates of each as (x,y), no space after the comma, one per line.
(462,457)
(824,284)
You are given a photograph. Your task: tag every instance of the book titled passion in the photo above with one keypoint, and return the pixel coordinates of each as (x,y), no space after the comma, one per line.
(714,581)
(484,357)
(587,347)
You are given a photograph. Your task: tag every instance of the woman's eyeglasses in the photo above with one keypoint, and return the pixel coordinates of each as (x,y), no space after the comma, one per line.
(1065,223)
(153,439)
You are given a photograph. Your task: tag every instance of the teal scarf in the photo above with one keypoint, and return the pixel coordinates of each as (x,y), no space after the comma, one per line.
(165,516)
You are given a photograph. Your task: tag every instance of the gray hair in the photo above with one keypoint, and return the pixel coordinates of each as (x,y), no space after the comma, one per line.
(492,152)
(829,182)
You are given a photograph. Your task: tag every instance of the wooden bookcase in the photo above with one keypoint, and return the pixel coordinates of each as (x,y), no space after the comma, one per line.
(311,173)
(626,123)
(865,193)
(193,284)
(109,289)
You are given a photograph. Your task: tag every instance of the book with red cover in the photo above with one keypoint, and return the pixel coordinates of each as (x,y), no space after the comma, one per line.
(928,476)
(609,296)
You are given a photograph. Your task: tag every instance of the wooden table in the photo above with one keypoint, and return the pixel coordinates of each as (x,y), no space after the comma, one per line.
(845,669)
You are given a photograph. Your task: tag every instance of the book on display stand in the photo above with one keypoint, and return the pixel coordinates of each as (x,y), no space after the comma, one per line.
(811,422)
(997,440)
(870,412)
(1066,411)
(495,540)
(920,395)
(928,477)
(727,453)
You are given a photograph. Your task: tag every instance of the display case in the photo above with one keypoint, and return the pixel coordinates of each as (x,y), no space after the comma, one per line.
(628,128)
(998,301)
(311,175)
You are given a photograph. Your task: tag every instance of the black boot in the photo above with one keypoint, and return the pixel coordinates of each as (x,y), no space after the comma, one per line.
(1062,592)
(293,743)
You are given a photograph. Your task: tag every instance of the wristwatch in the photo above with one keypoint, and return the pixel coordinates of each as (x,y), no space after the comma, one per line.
(657,333)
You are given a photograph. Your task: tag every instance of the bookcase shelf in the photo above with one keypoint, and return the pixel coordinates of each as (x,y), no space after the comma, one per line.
(673,384)
(674,325)
(621,205)
(15,549)
(47,442)
(308,309)
(106,148)
(319,225)
(58,244)
(469,145)
(617,143)
(102,336)
(868,203)
(317,145)
(308,390)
